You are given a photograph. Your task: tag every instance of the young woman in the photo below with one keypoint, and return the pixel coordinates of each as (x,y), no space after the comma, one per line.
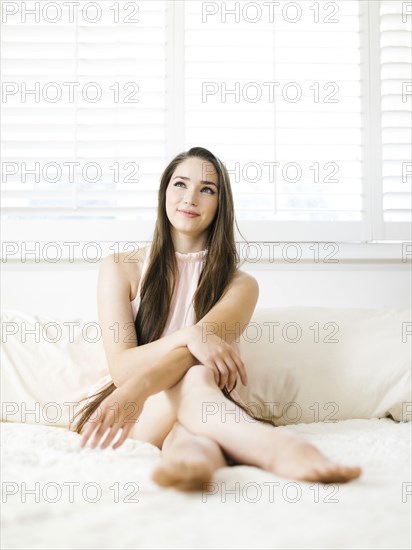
(167,370)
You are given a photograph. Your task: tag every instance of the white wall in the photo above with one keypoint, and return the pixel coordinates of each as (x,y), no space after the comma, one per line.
(69,291)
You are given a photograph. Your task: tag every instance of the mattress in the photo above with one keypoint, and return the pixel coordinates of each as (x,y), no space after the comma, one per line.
(59,496)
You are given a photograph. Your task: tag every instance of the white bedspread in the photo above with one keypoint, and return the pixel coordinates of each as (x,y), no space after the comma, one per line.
(250,508)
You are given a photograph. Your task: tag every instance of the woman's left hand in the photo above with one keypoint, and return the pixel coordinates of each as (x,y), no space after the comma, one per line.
(120,410)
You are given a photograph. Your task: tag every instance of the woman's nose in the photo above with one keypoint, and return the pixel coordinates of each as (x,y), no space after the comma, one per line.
(190,197)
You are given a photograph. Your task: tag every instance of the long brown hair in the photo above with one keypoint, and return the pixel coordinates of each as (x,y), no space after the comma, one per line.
(221,262)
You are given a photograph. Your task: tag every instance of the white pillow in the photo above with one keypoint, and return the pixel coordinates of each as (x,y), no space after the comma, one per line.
(47,366)
(326,364)
(366,374)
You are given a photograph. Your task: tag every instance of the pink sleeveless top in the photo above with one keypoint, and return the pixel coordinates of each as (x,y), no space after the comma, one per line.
(181,313)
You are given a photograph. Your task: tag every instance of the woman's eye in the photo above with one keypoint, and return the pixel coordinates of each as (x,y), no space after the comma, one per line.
(211,192)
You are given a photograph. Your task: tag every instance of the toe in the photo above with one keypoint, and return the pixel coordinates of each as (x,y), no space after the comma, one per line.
(338,473)
(354,472)
(349,472)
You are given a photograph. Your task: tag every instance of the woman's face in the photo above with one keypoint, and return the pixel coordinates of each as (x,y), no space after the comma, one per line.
(193,187)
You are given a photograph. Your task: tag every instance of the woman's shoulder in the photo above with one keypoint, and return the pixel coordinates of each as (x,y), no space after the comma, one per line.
(240,275)
(243,279)
(130,265)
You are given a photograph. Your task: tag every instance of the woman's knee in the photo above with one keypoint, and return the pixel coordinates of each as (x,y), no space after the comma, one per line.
(198,376)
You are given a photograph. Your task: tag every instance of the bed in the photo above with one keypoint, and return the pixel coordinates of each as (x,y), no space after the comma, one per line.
(56,495)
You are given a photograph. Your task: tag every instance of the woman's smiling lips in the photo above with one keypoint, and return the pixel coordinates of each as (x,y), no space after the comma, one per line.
(188,213)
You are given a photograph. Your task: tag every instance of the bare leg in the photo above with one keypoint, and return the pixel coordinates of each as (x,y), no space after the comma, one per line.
(250,442)
(188,460)
(155,421)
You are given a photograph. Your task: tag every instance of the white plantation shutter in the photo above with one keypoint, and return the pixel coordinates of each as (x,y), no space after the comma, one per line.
(396,89)
(270,60)
(95,159)
(325,167)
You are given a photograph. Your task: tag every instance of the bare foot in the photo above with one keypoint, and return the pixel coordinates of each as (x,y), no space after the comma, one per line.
(298,459)
(186,472)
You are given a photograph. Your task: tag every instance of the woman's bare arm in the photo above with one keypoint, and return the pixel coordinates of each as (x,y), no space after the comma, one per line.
(233,310)
(122,351)
(148,380)
(227,319)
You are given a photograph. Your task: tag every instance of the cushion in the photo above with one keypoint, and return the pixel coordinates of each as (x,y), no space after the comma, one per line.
(308,364)
(47,366)
(305,364)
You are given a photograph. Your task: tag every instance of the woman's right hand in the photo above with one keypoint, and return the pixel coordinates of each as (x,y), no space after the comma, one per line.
(212,351)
